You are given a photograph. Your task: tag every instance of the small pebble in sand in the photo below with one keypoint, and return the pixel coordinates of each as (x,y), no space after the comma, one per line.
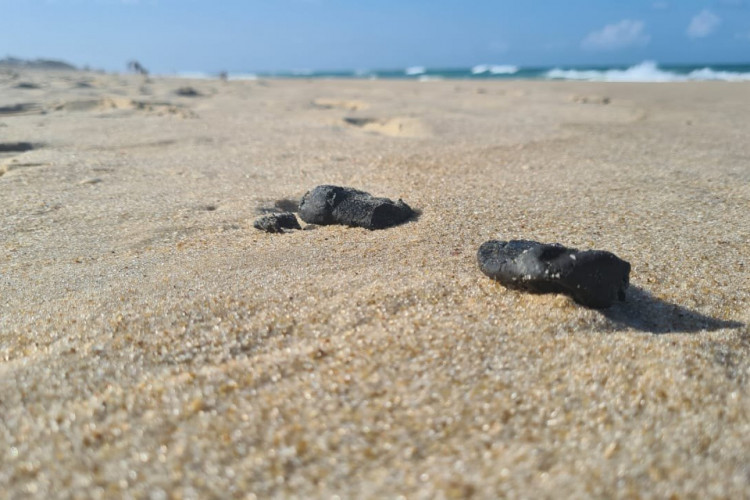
(90,180)
(350,207)
(594,278)
(276,223)
(187,92)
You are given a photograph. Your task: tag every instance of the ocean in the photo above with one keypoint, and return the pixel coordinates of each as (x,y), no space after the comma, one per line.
(647,71)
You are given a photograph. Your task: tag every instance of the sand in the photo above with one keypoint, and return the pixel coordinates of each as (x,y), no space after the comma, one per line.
(154,344)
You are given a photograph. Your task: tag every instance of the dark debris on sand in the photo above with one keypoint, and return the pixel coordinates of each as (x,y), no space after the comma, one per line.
(276,223)
(187,92)
(326,205)
(594,278)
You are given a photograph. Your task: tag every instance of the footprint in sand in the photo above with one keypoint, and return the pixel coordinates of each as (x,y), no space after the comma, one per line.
(349,105)
(13,164)
(15,147)
(99,105)
(8,153)
(17,156)
(27,86)
(124,104)
(188,92)
(26,108)
(392,127)
(590,99)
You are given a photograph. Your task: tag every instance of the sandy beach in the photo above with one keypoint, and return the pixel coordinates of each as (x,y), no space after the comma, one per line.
(153,344)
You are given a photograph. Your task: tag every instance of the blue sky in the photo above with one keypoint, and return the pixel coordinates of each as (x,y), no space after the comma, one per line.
(269,35)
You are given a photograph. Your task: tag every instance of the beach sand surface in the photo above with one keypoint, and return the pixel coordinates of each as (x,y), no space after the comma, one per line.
(153,344)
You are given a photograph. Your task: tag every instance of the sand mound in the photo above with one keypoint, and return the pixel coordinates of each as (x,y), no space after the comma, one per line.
(393,127)
(121,103)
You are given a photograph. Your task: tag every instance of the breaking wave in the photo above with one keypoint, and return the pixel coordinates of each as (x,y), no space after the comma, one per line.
(647,71)
(494,69)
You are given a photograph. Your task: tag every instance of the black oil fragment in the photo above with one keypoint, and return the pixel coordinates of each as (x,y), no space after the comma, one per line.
(350,207)
(276,223)
(594,278)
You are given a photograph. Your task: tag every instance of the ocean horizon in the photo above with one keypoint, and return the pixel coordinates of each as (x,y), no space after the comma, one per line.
(646,71)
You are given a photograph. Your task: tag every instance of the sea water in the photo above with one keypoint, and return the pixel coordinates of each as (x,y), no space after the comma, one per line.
(647,71)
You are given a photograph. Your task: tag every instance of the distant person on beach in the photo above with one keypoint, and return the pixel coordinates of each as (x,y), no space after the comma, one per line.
(136,67)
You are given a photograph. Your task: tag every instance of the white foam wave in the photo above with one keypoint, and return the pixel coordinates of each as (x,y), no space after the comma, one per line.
(243,76)
(197,75)
(647,71)
(193,75)
(494,69)
(709,74)
(503,69)
(415,70)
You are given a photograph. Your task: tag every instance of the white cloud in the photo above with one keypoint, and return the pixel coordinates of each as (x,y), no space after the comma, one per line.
(703,24)
(626,33)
